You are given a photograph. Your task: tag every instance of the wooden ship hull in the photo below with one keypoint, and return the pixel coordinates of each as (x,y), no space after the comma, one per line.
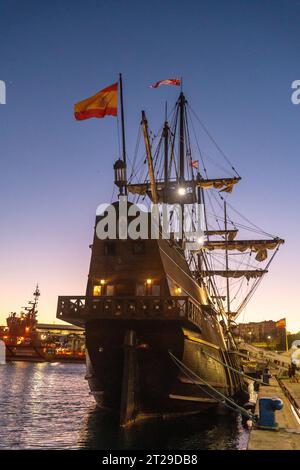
(129,338)
(141,381)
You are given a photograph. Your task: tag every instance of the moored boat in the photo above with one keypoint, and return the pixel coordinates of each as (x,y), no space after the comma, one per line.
(24,342)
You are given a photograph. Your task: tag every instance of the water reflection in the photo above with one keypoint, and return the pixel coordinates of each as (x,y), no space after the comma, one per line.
(42,406)
(48,406)
(206,431)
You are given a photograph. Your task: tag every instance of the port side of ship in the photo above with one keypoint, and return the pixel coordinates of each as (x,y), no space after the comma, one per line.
(158,342)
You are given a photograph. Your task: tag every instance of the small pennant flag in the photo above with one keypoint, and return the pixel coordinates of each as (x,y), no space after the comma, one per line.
(194,164)
(103,103)
(281,323)
(170,81)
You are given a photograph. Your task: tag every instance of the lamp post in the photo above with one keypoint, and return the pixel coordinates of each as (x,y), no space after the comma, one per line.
(120,175)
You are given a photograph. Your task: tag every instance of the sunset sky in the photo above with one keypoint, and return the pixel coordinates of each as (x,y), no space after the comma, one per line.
(238,59)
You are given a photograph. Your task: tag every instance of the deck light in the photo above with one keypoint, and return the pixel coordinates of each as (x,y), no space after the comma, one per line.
(200,241)
(102,282)
(181,191)
(120,174)
(149,282)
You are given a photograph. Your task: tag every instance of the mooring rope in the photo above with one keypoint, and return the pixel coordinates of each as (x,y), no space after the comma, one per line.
(232,368)
(234,406)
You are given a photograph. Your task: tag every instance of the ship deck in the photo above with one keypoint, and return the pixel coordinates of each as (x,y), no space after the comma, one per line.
(79,309)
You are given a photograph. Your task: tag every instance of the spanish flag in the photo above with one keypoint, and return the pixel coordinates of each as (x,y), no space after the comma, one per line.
(103,103)
(281,323)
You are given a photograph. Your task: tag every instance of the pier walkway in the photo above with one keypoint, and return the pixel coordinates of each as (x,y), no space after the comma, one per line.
(288,436)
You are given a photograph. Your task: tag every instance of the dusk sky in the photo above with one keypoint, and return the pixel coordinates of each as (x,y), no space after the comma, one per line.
(238,60)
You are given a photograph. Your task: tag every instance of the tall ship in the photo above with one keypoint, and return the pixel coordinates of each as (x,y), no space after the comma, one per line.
(159,311)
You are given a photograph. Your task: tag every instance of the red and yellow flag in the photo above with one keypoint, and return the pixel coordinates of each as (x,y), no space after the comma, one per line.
(169,81)
(281,323)
(103,103)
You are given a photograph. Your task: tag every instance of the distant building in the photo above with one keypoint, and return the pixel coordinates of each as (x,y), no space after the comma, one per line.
(69,336)
(59,329)
(264,333)
(55,329)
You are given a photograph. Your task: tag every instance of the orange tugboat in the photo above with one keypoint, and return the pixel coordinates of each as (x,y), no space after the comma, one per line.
(24,342)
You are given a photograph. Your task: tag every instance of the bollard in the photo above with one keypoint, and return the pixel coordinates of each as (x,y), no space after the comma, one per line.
(266,376)
(267,408)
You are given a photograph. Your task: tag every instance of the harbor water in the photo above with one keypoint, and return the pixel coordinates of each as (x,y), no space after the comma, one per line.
(48,406)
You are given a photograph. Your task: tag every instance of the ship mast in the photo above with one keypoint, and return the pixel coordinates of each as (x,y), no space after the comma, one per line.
(182,102)
(181,136)
(32,311)
(149,159)
(166,158)
(200,201)
(120,166)
(123,127)
(226,261)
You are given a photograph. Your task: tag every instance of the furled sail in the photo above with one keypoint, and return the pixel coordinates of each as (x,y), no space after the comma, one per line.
(248,274)
(223,184)
(258,246)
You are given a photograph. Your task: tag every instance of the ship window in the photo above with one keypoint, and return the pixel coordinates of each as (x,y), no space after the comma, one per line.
(125,290)
(110,248)
(156,290)
(139,248)
(97,290)
(140,289)
(110,290)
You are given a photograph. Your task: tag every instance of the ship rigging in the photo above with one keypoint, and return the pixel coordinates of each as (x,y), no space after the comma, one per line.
(231,269)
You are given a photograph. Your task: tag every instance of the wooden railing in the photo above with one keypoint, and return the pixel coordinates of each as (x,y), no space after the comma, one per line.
(81,308)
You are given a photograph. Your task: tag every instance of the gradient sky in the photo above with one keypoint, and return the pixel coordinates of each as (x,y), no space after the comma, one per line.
(238,59)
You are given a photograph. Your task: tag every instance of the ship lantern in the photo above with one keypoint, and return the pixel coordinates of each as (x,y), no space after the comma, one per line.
(120,174)
(181,191)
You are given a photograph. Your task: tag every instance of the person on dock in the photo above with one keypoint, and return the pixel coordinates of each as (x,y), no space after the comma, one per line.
(292,372)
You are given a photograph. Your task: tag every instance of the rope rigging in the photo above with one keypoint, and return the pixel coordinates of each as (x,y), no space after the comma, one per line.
(241,288)
(215,394)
